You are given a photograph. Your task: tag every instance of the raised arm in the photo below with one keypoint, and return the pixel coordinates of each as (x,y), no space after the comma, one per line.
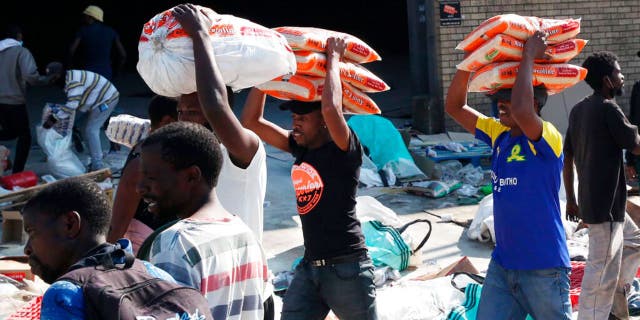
(126,202)
(522,103)
(332,95)
(212,93)
(456,102)
(253,119)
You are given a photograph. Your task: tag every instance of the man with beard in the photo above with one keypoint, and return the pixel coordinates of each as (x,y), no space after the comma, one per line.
(209,248)
(598,132)
(66,222)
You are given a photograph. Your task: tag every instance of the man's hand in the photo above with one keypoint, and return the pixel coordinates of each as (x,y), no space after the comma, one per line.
(336,47)
(536,46)
(192,19)
(573,212)
(49,122)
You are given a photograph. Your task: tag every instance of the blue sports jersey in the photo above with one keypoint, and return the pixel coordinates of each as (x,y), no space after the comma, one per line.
(526,208)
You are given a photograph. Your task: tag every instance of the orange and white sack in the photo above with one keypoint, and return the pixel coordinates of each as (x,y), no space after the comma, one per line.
(308,88)
(315,39)
(521,28)
(514,25)
(502,75)
(247,54)
(506,48)
(314,64)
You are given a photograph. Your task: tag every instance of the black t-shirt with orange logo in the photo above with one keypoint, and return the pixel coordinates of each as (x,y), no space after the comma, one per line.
(325,181)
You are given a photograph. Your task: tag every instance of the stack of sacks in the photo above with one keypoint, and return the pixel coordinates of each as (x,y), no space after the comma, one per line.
(306,85)
(496,48)
(127,130)
(247,54)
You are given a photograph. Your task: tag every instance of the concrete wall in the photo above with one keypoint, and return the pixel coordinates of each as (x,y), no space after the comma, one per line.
(612,25)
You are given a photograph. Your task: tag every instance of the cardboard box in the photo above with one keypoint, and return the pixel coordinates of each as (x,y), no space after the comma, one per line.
(462,265)
(13,228)
(16,268)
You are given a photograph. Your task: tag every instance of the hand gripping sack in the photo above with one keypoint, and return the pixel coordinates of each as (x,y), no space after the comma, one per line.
(247,54)
(506,48)
(314,64)
(521,28)
(386,245)
(502,75)
(308,88)
(117,286)
(315,39)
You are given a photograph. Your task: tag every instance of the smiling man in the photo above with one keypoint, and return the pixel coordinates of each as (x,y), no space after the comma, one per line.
(524,277)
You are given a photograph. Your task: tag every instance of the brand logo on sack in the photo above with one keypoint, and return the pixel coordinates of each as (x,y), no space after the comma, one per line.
(308,186)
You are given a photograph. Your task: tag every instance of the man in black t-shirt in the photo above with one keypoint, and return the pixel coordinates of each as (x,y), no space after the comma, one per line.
(336,272)
(598,132)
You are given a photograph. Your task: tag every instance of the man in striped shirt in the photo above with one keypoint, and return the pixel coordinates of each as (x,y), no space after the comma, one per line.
(91,94)
(209,249)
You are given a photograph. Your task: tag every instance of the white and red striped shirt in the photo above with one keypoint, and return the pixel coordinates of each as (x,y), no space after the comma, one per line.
(221,258)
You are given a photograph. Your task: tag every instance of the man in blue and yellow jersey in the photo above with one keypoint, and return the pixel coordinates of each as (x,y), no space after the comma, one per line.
(529,268)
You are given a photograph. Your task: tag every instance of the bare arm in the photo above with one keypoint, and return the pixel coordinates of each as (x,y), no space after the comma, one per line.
(212,93)
(253,119)
(522,103)
(332,95)
(126,201)
(456,102)
(573,212)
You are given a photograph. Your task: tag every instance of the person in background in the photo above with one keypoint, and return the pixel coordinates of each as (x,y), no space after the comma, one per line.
(95,41)
(130,217)
(92,95)
(597,134)
(526,171)
(17,68)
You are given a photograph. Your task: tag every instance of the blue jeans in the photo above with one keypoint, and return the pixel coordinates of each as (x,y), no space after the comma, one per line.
(95,119)
(345,288)
(512,294)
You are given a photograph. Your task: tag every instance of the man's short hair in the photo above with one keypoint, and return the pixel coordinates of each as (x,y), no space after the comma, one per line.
(161,106)
(599,65)
(74,194)
(539,93)
(185,144)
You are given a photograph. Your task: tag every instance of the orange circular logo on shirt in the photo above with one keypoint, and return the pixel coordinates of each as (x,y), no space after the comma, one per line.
(308,186)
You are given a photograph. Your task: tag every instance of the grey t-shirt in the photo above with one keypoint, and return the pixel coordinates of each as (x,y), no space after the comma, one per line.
(598,132)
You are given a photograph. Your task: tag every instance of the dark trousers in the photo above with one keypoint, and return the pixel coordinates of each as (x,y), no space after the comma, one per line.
(14,124)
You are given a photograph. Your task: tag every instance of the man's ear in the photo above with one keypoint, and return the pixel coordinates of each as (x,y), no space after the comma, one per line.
(194,174)
(71,224)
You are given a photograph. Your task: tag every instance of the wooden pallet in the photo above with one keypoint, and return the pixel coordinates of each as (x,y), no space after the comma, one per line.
(16,199)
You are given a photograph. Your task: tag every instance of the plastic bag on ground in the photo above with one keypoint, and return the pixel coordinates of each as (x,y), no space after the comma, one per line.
(369,208)
(61,161)
(413,300)
(482,229)
(247,54)
(386,146)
